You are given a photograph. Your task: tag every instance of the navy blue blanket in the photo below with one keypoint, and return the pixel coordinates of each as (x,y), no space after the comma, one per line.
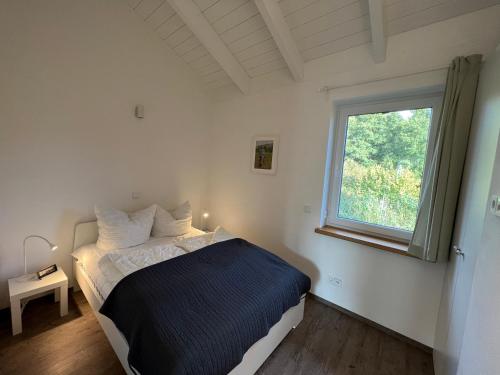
(200,312)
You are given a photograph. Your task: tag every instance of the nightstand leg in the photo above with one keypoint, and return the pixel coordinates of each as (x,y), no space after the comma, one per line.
(57,294)
(63,296)
(15,313)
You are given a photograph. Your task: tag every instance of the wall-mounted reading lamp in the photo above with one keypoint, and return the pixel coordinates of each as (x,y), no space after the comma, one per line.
(52,247)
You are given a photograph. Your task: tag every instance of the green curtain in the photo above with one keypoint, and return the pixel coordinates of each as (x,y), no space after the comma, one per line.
(432,236)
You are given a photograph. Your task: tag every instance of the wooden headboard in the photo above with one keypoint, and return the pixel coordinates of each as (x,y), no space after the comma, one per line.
(85,233)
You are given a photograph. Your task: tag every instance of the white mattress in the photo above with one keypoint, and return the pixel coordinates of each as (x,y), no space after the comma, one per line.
(103,273)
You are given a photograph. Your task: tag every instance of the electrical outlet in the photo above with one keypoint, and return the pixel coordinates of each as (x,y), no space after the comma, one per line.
(335,281)
(136,195)
(307,209)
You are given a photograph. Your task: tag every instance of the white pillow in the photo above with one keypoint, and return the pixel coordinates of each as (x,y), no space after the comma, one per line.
(174,223)
(118,230)
(184,211)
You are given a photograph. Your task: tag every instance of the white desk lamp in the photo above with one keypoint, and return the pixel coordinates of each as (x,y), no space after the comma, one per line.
(51,246)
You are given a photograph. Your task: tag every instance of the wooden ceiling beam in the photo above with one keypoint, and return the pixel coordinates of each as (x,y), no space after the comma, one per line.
(189,12)
(377,30)
(275,21)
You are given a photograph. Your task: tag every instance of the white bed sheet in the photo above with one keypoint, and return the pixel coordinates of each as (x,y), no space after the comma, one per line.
(101,271)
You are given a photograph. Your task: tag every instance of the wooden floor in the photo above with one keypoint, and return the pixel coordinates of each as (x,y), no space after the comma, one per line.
(330,342)
(49,344)
(326,342)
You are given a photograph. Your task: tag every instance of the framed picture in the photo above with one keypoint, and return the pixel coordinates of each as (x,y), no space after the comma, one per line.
(265,154)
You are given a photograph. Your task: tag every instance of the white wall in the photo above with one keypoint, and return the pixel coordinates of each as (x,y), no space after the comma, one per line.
(71,73)
(396,291)
(480,352)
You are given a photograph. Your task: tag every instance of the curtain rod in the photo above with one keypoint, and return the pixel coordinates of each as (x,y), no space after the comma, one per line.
(330,88)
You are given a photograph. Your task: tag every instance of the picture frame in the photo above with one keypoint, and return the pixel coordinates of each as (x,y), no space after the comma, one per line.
(265,154)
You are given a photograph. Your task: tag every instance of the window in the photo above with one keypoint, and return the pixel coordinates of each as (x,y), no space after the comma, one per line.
(380,155)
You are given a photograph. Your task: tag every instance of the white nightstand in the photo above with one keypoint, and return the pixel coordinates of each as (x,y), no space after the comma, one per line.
(28,285)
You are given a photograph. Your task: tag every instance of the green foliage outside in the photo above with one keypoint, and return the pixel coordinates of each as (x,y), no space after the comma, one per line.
(383,167)
(264,155)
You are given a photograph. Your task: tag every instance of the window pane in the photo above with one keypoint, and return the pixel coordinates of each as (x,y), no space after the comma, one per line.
(383,167)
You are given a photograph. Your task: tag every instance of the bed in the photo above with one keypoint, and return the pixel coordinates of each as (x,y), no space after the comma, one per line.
(97,285)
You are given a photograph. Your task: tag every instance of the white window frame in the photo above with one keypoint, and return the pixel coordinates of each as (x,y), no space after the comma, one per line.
(351,108)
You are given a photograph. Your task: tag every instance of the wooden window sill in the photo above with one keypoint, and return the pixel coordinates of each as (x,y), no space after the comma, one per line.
(393,246)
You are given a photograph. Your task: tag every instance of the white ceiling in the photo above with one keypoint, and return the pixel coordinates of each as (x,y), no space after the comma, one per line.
(318,27)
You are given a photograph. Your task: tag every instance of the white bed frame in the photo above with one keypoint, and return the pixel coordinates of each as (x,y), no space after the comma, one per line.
(86,233)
